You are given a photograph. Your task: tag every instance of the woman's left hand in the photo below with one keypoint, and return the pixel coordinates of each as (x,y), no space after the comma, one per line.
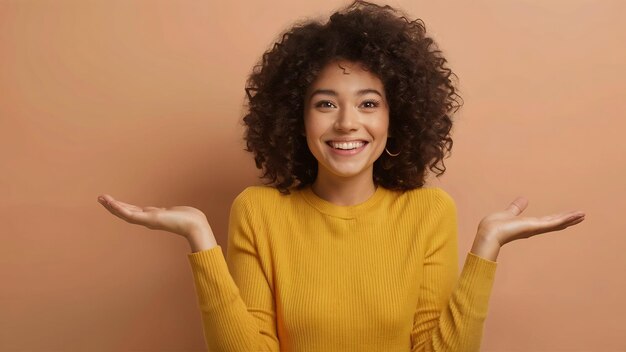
(502,227)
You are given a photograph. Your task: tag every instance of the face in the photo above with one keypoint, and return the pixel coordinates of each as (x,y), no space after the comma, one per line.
(346,119)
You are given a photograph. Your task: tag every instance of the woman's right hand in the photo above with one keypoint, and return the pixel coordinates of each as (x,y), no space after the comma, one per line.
(188,222)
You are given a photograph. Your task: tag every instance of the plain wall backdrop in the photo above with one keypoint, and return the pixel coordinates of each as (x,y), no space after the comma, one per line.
(143,100)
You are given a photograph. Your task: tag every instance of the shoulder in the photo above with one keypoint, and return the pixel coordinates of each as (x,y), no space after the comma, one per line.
(260,205)
(428,193)
(433,198)
(444,199)
(259,197)
(258,194)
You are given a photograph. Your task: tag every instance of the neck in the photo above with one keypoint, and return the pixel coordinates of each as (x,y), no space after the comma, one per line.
(344,191)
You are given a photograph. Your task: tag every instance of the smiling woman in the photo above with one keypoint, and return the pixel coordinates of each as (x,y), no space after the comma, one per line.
(346,119)
(389,54)
(344,249)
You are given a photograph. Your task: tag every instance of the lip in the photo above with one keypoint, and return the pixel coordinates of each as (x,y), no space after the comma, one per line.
(348,152)
(343,140)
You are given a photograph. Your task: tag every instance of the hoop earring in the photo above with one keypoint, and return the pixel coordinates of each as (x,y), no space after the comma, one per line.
(396,154)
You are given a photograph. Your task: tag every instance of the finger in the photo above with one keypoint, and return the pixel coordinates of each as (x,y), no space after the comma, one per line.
(114,208)
(129,206)
(151,208)
(104,201)
(518,205)
(103,198)
(576,221)
(117,209)
(564,225)
(563,216)
(570,222)
(124,213)
(127,212)
(576,214)
(110,200)
(559,224)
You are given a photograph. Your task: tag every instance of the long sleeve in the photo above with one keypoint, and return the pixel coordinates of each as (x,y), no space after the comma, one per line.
(450,314)
(378,276)
(238,312)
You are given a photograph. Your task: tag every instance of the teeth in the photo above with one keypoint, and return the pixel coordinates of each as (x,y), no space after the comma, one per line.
(347,146)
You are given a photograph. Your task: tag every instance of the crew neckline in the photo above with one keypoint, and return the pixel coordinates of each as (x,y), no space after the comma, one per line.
(341,211)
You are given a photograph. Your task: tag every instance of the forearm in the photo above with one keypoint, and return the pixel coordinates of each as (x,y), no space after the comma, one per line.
(460,323)
(227,323)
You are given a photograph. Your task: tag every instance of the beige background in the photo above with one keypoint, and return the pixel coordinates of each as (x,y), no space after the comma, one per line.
(142,100)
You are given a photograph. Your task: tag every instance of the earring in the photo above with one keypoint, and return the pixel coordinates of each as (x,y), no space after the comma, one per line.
(387,150)
(396,154)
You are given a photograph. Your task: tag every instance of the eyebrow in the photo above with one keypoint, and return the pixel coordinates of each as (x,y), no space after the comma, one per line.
(333,93)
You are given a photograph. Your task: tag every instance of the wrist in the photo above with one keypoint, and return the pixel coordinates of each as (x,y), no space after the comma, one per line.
(201,240)
(486,247)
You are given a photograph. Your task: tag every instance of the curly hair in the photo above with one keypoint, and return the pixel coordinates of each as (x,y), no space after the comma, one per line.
(421,95)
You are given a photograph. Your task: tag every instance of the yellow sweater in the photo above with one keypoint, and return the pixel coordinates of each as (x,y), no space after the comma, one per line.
(304,274)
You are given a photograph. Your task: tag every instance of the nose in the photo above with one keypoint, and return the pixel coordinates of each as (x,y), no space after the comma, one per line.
(347,120)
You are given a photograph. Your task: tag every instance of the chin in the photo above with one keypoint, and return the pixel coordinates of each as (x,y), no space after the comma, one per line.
(348,173)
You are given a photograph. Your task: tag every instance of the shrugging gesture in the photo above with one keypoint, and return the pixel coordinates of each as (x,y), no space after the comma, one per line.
(185,221)
(499,228)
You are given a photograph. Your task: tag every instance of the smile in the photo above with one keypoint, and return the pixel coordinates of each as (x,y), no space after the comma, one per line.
(347,148)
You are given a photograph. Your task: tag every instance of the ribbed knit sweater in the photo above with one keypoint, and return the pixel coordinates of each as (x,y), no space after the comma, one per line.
(304,274)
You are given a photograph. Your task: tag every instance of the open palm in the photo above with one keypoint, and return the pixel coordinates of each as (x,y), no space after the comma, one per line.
(506,225)
(182,220)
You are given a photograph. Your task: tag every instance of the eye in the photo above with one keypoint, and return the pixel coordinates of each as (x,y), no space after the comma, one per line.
(323,104)
(374,103)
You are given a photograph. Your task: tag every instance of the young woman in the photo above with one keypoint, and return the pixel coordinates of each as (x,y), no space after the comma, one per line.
(345,249)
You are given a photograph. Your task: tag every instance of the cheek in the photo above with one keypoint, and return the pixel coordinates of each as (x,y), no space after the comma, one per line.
(310,135)
(313,127)
(382,126)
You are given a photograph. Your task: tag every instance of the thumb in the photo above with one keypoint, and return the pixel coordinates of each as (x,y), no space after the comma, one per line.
(518,205)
